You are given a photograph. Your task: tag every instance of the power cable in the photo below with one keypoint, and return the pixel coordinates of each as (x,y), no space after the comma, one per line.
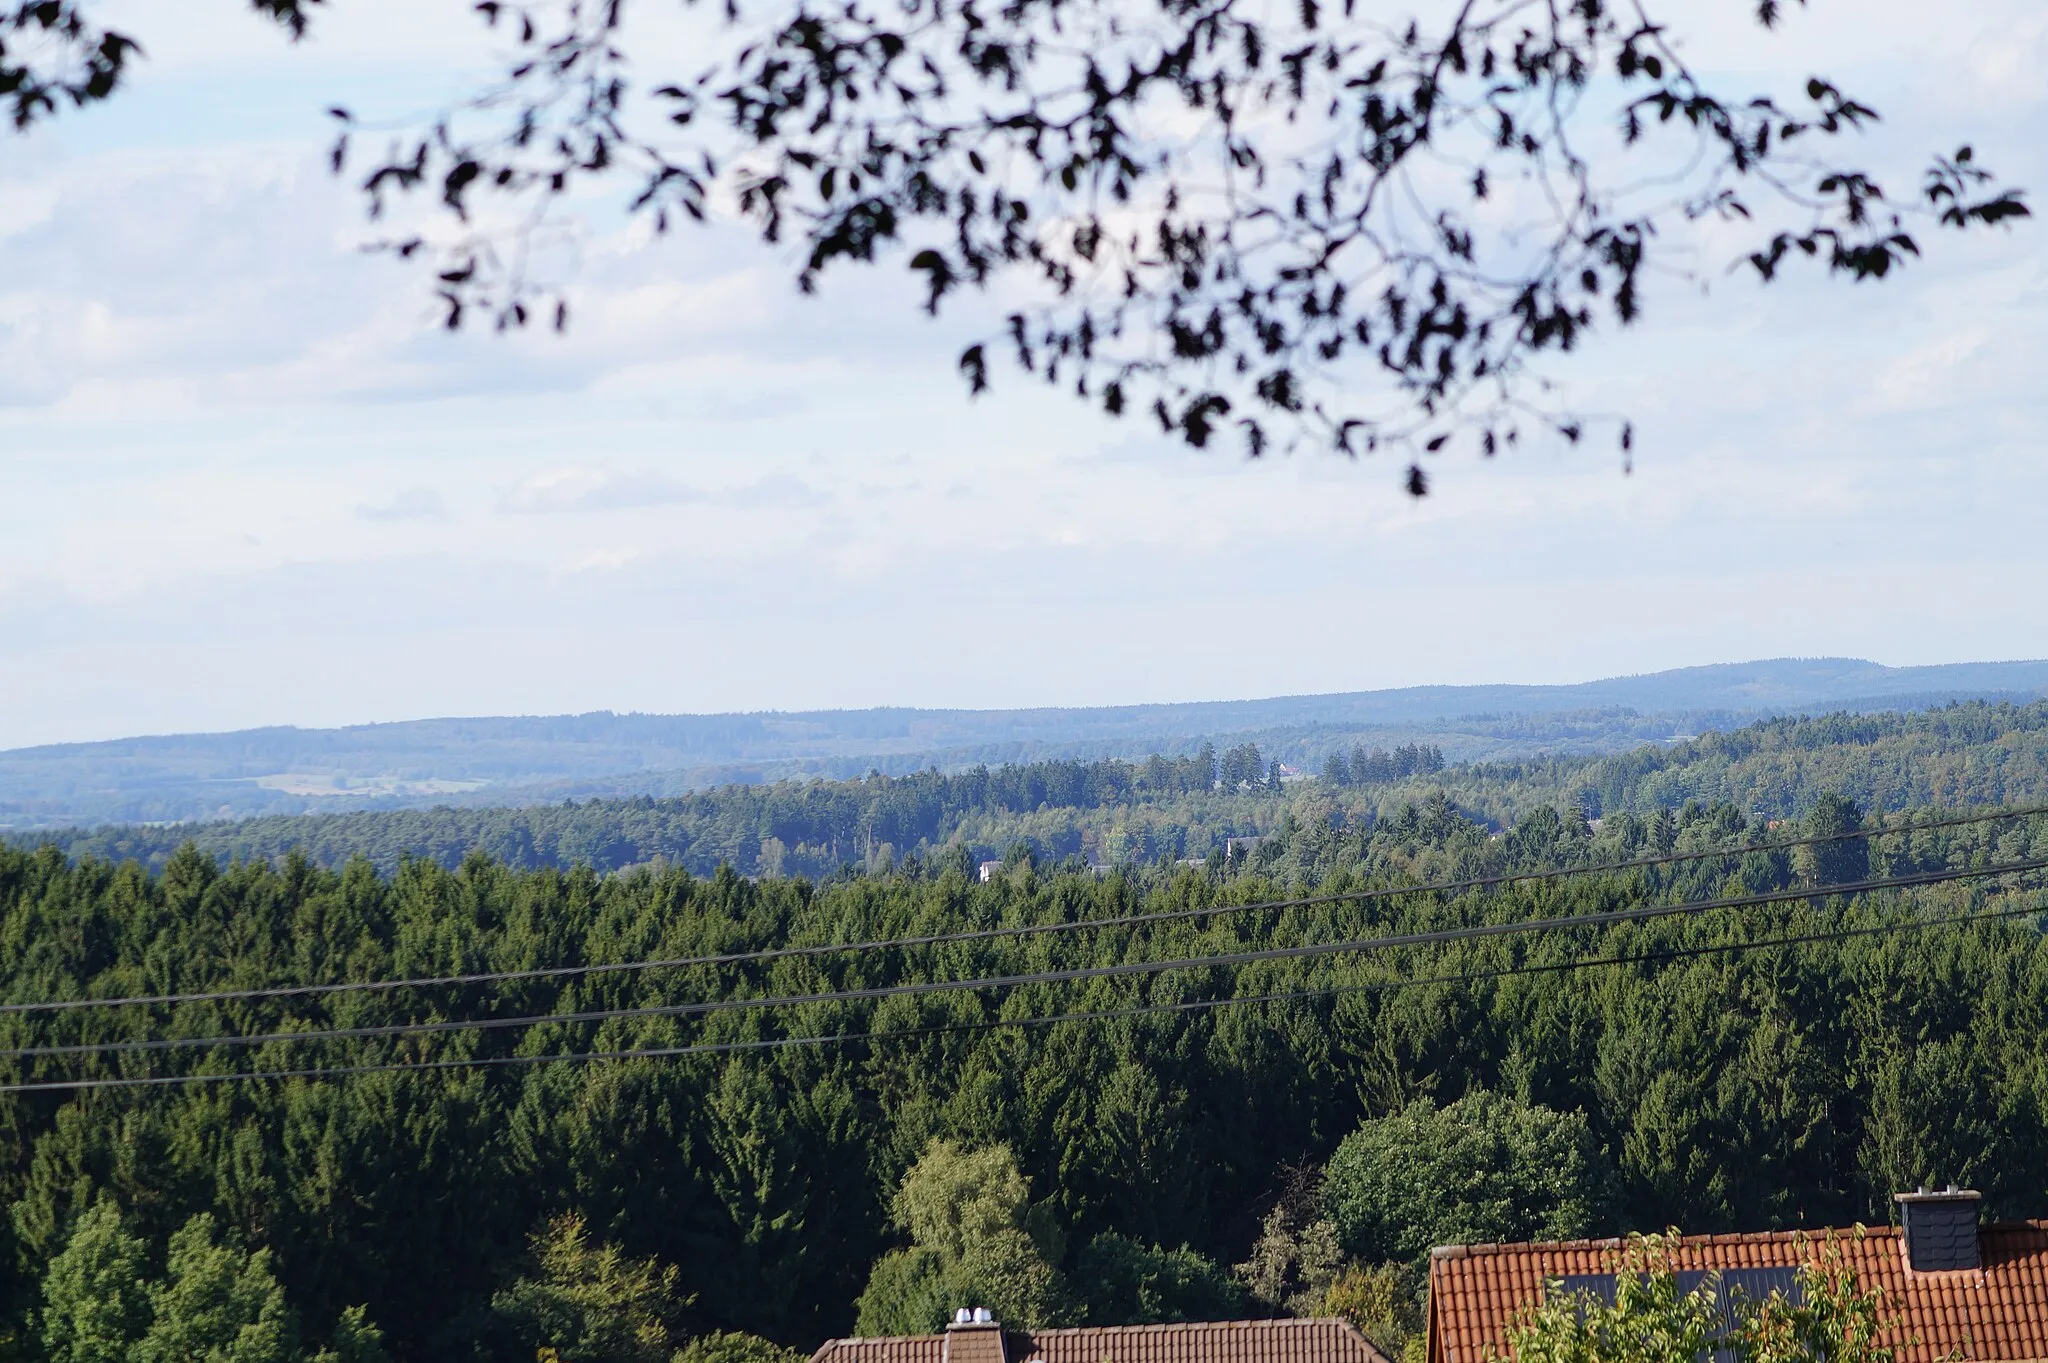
(989,934)
(1110,1014)
(1605,918)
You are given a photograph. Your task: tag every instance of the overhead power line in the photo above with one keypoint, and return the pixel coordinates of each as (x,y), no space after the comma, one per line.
(1604,918)
(990,934)
(1098,1015)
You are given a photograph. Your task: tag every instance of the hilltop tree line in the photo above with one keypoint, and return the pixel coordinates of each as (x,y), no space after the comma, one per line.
(1162,809)
(1376,766)
(810,828)
(1298,1153)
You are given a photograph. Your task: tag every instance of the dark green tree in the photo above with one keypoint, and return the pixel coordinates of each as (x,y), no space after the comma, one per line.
(1842,861)
(1127,1282)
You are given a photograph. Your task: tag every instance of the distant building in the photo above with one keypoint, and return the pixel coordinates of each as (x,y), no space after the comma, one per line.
(990,870)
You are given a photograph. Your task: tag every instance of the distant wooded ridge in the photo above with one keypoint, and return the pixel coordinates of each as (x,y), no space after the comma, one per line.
(530,760)
(1111,812)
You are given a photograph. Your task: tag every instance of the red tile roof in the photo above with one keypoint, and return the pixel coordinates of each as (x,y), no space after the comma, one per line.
(1996,1314)
(1221,1341)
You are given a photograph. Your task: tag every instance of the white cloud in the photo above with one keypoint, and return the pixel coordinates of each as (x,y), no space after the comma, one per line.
(602,561)
(593,489)
(409,504)
(240,448)
(780,491)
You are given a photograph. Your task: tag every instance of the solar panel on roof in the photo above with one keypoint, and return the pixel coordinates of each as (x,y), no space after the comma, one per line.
(1735,1285)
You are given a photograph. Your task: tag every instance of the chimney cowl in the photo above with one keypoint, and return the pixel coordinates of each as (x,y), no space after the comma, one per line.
(1939,1230)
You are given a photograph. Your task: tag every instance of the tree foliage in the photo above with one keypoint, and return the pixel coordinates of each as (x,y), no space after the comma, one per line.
(1485,1169)
(589,1303)
(1385,1304)
(1843,860)
(1167,809)
(1127,1282)
(1303,222)
(735,1346)
(1832,1319)
(764,1191)
(95,1294)
(212,1303)
(216,1303)
(975,1242)
(1296,1256)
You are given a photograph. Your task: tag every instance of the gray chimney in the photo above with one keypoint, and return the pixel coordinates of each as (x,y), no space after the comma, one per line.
(1940,1229)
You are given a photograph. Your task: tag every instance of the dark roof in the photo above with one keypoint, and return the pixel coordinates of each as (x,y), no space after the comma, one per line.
(1997,1313)
(1219,1341)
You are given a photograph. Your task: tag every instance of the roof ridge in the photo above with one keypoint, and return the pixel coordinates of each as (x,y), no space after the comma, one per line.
(1161,1326)
(1702,1238)
(1751,1237)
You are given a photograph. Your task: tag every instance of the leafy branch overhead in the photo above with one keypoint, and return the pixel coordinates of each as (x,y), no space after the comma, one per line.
(1295,222)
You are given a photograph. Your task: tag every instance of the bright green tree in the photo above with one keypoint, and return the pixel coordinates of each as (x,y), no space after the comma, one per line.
(590,1303)
(355,1340)
(95,1295)
(1384,1304)
(975,1241)
(735,1346)
(216,1304)
(1484,1168)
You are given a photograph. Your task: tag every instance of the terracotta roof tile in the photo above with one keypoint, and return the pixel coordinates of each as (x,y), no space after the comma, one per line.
(1996,1314)
(1224,1341)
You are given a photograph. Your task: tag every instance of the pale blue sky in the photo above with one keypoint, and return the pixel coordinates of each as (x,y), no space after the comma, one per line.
(248,481)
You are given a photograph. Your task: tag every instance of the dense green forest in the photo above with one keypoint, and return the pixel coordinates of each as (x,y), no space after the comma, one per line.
(1297,1153)
(1163,809)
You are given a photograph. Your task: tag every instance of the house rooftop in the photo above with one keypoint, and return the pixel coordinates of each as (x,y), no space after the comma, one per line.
(1221,1341)
(1993,1312)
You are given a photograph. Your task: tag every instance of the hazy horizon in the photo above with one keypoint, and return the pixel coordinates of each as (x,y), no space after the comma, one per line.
(1028,708)
(537,759)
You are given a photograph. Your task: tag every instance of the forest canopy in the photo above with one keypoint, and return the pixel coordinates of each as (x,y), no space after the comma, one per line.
(1163,809)
(1258,1155)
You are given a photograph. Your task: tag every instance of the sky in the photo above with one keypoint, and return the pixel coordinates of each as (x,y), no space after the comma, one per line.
(248,480)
